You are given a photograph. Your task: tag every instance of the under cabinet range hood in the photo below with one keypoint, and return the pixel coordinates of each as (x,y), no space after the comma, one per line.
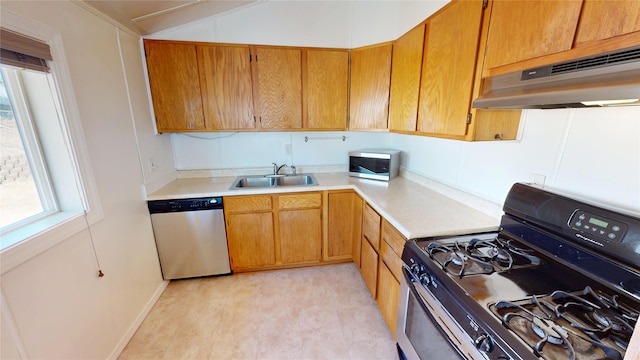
(610,79)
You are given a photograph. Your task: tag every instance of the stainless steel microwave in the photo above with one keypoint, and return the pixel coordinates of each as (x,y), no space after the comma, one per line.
(377,164)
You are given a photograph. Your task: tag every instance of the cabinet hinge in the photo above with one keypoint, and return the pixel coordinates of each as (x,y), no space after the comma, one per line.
(468,118)
(485,3)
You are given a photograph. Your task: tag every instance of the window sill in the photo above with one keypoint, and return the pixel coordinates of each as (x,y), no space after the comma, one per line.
(29,241)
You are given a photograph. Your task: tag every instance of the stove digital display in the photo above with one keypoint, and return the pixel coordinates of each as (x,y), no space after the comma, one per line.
(592,226)
(598,222)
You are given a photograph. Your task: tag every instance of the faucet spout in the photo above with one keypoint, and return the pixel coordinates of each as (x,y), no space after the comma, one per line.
(276,168)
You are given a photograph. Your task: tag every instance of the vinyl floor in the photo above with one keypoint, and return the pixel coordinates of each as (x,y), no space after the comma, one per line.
(323,312)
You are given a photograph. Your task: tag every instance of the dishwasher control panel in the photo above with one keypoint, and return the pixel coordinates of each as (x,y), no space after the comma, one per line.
(163,206)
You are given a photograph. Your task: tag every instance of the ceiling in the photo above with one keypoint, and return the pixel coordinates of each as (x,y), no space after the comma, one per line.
(147,17)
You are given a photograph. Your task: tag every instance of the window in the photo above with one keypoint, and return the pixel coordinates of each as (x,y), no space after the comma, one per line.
(25,193)
(41,187)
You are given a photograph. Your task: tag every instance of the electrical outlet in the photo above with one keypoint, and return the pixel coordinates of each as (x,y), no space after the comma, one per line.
(287,149)
(538,179)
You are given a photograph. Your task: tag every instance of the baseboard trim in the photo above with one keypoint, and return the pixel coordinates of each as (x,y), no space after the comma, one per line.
(138,321)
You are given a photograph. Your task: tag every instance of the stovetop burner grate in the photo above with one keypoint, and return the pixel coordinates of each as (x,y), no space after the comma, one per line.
(562,325)
(480,256)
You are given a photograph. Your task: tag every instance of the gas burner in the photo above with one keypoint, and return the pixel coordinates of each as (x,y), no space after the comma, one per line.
(562,325)
(480,256)
(454,259)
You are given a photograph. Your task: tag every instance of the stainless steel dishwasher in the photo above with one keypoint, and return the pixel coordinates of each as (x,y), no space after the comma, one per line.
(190,237)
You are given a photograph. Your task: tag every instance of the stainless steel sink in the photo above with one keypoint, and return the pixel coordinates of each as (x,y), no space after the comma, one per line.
(296,180)
(266,181)
(250,181)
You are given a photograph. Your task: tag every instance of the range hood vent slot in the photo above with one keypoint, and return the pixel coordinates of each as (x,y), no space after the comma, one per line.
(597,61)
(589,81)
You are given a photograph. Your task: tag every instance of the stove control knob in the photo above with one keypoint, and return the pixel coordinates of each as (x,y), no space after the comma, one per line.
(415,268)
(484,343)
(425,279)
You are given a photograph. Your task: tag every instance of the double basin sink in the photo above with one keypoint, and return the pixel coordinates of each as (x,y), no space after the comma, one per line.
(269,181)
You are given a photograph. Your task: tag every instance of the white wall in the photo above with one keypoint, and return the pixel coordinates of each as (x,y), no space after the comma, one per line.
(54,305)
(592,153)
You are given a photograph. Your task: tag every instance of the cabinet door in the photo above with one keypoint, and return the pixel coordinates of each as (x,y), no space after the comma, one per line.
(251,240)
(388,296)
(604,19)
(301,236)
(225,80)
(369,266)
(406,67)
(174,84)
(370,82)
(449,68)
(345,225)
(522,30)
(327,80)
(279,88)
(371,226)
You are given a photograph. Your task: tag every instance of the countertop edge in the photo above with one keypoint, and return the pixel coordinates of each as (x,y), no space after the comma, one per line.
(382,196)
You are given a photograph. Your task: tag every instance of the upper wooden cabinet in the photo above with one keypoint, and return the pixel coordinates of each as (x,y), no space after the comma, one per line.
(448,70)
(603,19)
(326,83)
(526,34)
(175,86)
(225,81)
(521,30)
(278,87)
(226,87)
(406,66)
(370,82)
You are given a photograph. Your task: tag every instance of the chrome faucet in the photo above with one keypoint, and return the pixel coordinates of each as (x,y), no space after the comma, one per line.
(276,168)
(293,169)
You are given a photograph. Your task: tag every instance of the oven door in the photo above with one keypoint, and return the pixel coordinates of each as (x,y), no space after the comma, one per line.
(420,335)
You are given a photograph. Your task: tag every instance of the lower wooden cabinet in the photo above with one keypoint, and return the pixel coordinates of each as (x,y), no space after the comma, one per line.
(344,225)
(388,296)
(381,267)
(253,247)
(370,247)
(274,230)
(369,266)
(300,228)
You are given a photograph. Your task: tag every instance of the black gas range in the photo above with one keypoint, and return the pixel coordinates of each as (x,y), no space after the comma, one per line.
(559,280)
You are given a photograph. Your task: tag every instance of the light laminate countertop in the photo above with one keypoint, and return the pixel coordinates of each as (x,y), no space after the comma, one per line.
(414,209)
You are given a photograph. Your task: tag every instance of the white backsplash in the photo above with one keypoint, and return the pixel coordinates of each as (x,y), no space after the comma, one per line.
(206,151)
(592,153)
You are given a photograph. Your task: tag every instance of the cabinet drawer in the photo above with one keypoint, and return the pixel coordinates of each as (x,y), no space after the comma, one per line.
(393,237)
(235,204)
(300,201)
(393,260)
(371,226)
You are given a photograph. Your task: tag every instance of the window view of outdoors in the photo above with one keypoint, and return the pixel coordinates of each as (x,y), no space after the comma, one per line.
(19,198)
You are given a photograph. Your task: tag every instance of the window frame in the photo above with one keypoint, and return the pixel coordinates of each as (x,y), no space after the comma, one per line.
(35,238)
